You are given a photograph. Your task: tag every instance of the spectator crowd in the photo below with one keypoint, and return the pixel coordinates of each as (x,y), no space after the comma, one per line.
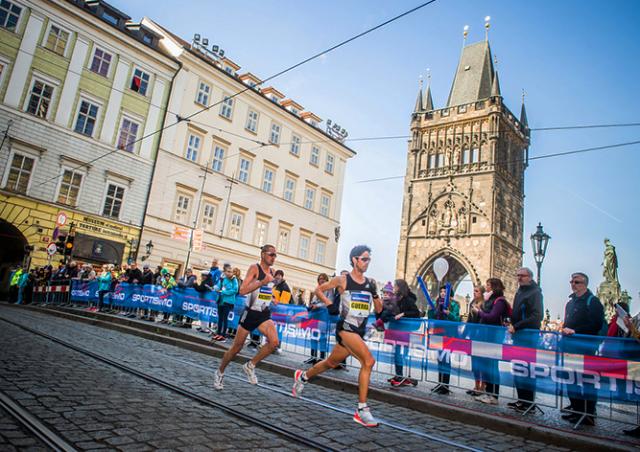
(584,315)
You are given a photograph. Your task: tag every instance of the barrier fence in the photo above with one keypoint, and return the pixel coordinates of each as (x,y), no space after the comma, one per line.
(593,367)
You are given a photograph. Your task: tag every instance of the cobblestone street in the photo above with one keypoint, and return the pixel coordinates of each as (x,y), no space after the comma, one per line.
(94,405)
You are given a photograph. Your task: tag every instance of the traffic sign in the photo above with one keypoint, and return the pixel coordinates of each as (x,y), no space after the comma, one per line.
(61,219)
(51,249)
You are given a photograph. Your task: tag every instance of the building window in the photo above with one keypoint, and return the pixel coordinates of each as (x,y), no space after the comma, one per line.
(235,227)
(19,173)
(274,137)
(87,117)
(475,155)
(101,62)
(128,134)
(315,155)
(328,167)
(321,247)
(113,201)
(439,160)
(262,229)
(245,168)
(193,148)
(309,197)
(226,109)
(289,189)
(183,206)
(303,250)
(252,121)
(9,15)
(218,158)
(432,161)
(466,156)
(283,240)
(140,82)
(40,99)
(208,217)
(325,204)
(295,145)
(267,180)
(70,187)
(204,91)
(56,39)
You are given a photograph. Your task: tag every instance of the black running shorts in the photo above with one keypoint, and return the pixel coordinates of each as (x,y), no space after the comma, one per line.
(250,320)
(341,326)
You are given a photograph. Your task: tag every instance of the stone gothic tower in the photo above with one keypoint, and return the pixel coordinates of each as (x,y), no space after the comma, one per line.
(464,187)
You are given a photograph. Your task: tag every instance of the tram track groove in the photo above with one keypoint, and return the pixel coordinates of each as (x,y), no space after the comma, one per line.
(328,406)
(176,389)
(34,425)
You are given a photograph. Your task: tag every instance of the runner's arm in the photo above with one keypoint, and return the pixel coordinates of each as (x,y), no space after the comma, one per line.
(251,281)
(338,281)
(377,301)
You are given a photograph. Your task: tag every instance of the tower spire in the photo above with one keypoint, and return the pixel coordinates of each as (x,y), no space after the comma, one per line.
(419,106)
(495,84)
(523,113)
(428,100)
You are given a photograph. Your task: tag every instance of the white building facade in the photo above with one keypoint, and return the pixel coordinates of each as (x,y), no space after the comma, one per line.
(253,169)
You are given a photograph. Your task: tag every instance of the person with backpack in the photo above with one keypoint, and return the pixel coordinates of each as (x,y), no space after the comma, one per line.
(496,311)
(583,314)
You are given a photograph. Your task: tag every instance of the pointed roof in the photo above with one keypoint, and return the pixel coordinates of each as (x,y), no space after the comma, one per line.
(523,115)
(428,100)
(419,106)
(474,76)
(495,86)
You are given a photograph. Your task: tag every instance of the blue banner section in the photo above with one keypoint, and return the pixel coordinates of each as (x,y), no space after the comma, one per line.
(585,367)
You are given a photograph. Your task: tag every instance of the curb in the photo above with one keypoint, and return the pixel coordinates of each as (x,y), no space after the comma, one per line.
(533,432)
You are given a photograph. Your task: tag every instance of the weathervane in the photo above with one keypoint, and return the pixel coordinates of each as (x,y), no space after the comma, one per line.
(487,25)
(465,33)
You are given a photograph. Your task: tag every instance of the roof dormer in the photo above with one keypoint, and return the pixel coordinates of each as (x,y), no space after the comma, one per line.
(249,79)
(292,106)
(273,94)
(229,66)
(311,118)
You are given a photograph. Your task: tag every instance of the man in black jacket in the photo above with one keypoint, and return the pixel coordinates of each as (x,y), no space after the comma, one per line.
(584,314)
(527,314)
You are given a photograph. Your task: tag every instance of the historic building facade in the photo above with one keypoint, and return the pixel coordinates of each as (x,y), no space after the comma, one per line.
(464,186)
(251,169)
(80,84)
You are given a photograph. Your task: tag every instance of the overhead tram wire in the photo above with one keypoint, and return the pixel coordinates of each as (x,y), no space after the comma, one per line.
(244,90)
(538,157)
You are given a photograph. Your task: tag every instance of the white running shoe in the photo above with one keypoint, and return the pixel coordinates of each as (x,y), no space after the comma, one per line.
(217,381)
(364,417)
(298,384)
(488,399)
(250,369)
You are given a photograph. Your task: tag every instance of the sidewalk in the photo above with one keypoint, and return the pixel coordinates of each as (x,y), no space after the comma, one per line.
(547,427)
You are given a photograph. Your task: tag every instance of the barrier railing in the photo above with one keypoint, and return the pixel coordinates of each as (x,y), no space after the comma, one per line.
(587,367)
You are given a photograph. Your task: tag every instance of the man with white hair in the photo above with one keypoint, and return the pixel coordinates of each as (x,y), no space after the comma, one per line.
(527,314)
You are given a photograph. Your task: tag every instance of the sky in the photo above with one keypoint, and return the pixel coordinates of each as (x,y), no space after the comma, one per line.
(576,60)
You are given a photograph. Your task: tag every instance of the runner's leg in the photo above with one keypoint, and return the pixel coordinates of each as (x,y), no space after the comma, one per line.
(358,348)
(268,329)
(235,348)
(338,354)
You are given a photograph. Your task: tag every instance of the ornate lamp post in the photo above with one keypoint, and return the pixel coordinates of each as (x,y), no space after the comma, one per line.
(539,242)
(148,248)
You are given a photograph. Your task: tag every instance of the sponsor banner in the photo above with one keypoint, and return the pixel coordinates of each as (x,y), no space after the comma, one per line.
(547,362)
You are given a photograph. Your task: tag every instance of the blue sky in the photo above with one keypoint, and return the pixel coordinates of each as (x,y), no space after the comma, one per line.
(577,61)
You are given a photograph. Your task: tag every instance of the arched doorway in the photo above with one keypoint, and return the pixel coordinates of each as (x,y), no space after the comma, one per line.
(12,252)
(461,276)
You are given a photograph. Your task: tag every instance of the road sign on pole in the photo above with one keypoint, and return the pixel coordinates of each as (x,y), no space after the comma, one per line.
(51,249)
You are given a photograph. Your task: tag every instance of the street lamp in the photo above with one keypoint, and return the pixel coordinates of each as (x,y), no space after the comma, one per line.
(148,248)
(539,242)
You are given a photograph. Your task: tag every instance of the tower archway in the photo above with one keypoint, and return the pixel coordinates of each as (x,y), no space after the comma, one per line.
(12,252)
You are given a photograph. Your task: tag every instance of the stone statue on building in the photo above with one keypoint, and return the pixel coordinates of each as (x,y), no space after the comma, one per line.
(609,291)
(610,263)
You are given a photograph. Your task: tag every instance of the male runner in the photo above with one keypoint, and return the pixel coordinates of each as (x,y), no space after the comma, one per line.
(258,287)
(357,293)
